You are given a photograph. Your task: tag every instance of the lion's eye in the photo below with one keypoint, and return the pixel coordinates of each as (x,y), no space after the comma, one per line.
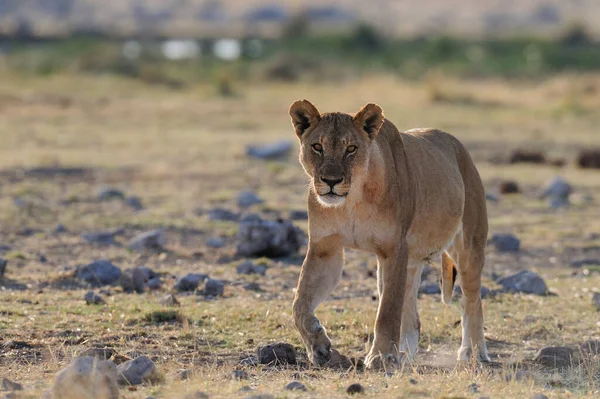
(317,147)
(351,149)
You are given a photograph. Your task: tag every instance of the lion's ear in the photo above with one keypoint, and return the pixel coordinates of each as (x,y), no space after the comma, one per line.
(370,119)
(304,116)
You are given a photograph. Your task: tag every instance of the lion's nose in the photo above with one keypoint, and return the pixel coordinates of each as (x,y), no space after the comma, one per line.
(331,182)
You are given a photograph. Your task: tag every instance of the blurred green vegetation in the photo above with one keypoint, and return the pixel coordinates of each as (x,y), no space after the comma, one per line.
(298,54)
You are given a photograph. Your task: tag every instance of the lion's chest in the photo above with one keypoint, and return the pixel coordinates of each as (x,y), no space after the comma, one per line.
(366,230)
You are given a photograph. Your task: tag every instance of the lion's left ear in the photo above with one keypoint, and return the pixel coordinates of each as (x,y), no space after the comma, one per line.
(370,119)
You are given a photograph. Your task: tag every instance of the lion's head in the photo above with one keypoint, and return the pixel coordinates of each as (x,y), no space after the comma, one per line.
(335,147)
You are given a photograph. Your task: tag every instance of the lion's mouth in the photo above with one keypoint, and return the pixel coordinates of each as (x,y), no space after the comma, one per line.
(331,194)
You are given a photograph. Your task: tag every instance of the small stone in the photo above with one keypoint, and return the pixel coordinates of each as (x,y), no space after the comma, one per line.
(98,273)
(150,240)
(220,214)
(59,229)
(154,283)
(413,381)
(261,396)
(98,353)
(196,395)
(189,282)
(87,377)
(505,243)
(239,375)
(491,197)
(134,203)
(101,237)
(473,388)
(139,280)
(214,288)
(136,371)
(590,347)
(339,361)
(298,215)
(215,242)
(9,385)
(556,357)
(3,263)
(557,191)
(354,389)
(585,262)
(252,287)
(109,193)
(250,361)
(271,238)
(91,298)
(596,300)
(273,150)
(277,354)
(169,300)
(524,281)
(539,396)
(248,198)
(248,267)
(295,386)
(245,388)
(430,288)
(185,374)
(508,187)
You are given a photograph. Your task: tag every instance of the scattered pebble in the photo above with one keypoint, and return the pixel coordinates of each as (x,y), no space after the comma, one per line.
(220,214)
(86,377)
(134,203)
(248,267)
(185,374)
(3,263)
(427,288)
(239,375)
(136,371)
(295,386)
(557,191)
(215,242)
(98,353)
(101,237)
(473,387)
(150,240)
(169,300)
(524,281)
(91,298)
(59,229)
(98,273)
(298,215)
(276,354)
(590,347)
(539,396)
(270,151)
(250,361)
(505,243)
(354,389)
(596,300)
(109,193)
(214,288)
(271,238)
(189,282)
(9,385)
(196,395)
(253,287)
(508,187)
(248,198)
(556,357)
(154,283)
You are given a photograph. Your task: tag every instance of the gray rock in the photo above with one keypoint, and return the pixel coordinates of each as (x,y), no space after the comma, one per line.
(133,280)
(248,267)
(429,288)
(87,377)
(59,229)
(354,389)
(196,395)
(505,243)
(109,193)
(590,347)
(295,386)
(148,273)
(215,242)
(220,214)
(261,396)
(524,281)
(491,197)
(298,215)
(136,371)
(169,300)
(276,354)
(239,375)
(98,353)
(596,300)
(98,273)
(556,357)
(250,361)
(214,288)
(9,385)
(189,282)
(252,287)
(150,240)
(91,298)
(3,263)
(185,374)
(539,396)
(557,191)
(154,283)
(248,198)
(585,262)
(271,238)
(101,237)
(274,150)
(134,203)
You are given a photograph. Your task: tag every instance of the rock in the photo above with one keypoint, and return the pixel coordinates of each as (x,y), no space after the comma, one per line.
(185,374)
(557,191)
(248,267)
(271,238)
(276,354)
(189,282)
(101,237)
(87,377)
(250,361)
(248,198)
(239,375)
(429,288)
(252,287)
(136,371)
(98,353)
(220,214)
(539,396)
(521,375)
(214,288)
(91,298)
(196,395)
(298,215)
(596,300)
(169,300)
(590,347)
(491,197)
(261,396)
(8,385)
(589,159)
(3,263)
(134,203)
(133,280)
(59,229)
(342,362)
(527,156)
(585,262)
(505,243)
(215,242)
(98,273)
(109,193)
(148,273)
(473,387)
(558,357)
(154,283)
(508,187)
(524,281)
(413,381)
(295,386)
(355,389)
(270,151)
(150,240)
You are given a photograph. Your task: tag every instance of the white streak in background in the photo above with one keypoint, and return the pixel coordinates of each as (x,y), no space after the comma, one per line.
(180,49)
(227,49)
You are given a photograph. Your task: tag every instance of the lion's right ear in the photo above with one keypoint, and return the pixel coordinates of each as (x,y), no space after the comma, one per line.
(304,116)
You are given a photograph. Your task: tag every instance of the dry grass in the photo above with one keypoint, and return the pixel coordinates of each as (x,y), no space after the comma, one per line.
(183,150)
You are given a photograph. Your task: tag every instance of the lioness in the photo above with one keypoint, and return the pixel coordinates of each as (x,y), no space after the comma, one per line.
(410,198)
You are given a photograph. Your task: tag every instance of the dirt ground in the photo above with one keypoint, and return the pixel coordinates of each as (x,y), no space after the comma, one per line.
(182,152)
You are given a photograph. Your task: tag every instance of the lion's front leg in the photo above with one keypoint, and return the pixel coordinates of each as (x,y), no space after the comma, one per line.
(320,274)
(385,350)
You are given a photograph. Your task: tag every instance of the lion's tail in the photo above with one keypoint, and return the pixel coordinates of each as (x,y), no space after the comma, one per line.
(448,277)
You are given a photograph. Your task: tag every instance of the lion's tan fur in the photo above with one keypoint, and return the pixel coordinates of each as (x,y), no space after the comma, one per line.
(407,197)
